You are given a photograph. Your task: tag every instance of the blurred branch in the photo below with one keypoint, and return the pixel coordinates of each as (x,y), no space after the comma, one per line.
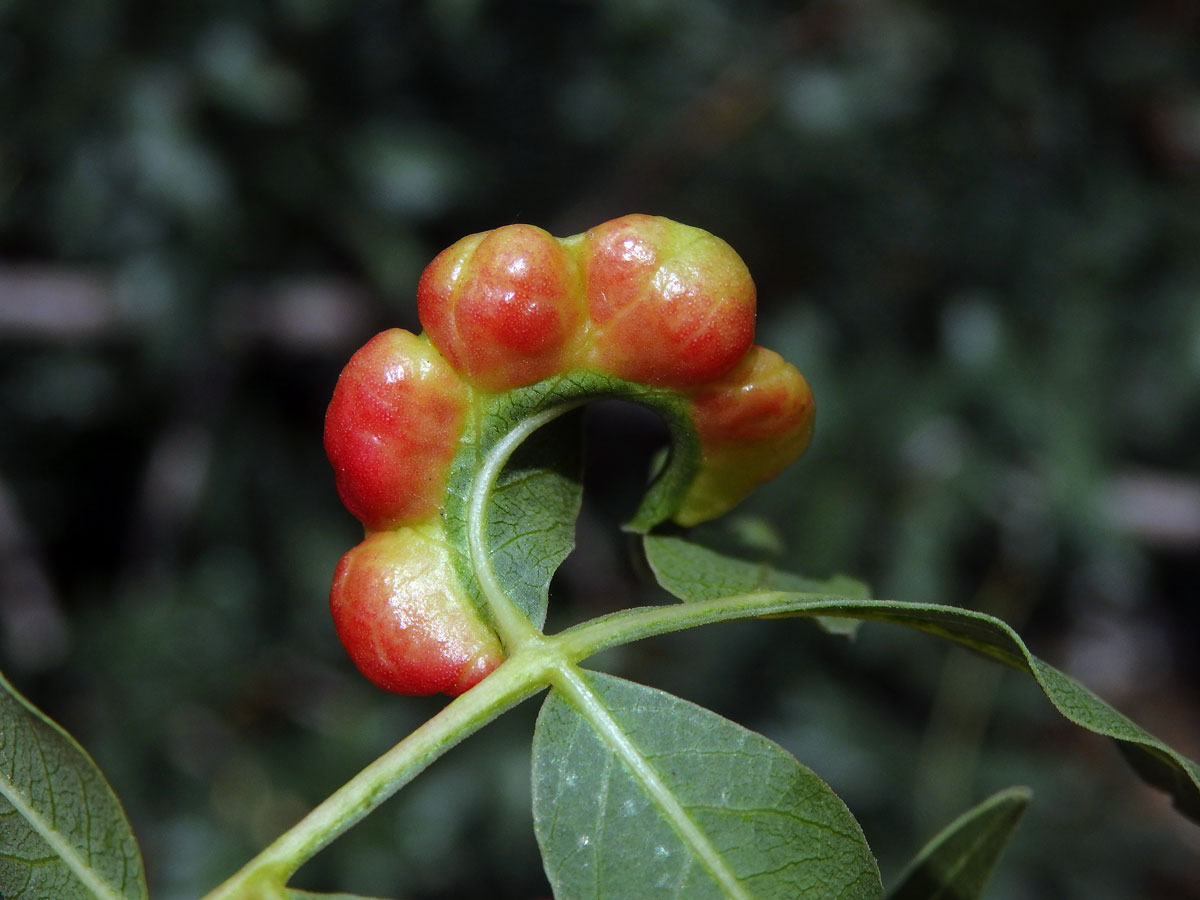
(55,303)
(302,315)
(1160,509)
(60,303)
(35,634)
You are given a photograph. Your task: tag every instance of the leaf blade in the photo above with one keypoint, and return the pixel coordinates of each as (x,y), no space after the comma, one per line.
(62,829)
(1154,761)
(957,862)
(712,574)
(532,507)
(605,833)
(531,510)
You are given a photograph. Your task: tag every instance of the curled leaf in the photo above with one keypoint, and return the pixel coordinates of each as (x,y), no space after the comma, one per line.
(675,562)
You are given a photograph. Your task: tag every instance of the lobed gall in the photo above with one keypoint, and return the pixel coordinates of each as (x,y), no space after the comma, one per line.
(670,305)
(403,619)
(505,307)
(640,298)
(752,424)
(392,428)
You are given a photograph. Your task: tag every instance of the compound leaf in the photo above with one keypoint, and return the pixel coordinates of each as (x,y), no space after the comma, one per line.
(674,561)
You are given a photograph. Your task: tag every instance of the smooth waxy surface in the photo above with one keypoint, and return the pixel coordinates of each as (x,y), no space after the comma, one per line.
(391,429)
(670,304)
(752,424)
(403,619)
(764,398)
(505,307)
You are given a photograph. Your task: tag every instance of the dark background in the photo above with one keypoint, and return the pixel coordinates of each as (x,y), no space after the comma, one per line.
(974,226)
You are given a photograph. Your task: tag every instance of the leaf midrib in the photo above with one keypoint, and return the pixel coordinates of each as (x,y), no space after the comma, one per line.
(570,682)
(65,851)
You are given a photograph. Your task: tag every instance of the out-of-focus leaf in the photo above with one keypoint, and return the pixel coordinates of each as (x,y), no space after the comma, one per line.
(675,563)
(637,793)
(63,833)
(957,863)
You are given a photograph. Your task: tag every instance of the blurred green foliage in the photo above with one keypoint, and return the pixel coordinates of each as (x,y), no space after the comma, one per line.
(974,226)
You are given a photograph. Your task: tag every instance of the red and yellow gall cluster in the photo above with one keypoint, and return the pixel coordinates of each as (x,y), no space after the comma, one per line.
(640,298)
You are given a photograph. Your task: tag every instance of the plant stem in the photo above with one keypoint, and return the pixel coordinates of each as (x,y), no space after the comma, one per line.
(266,874)
(532,665)
(531,657)
(624,627)
(628,625)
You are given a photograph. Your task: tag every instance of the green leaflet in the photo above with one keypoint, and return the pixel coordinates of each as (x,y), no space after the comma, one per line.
(63,833)
(532,509)
(532,512)
(637,793)
(711,575)
(693,572)
(675,562)
(957,862)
